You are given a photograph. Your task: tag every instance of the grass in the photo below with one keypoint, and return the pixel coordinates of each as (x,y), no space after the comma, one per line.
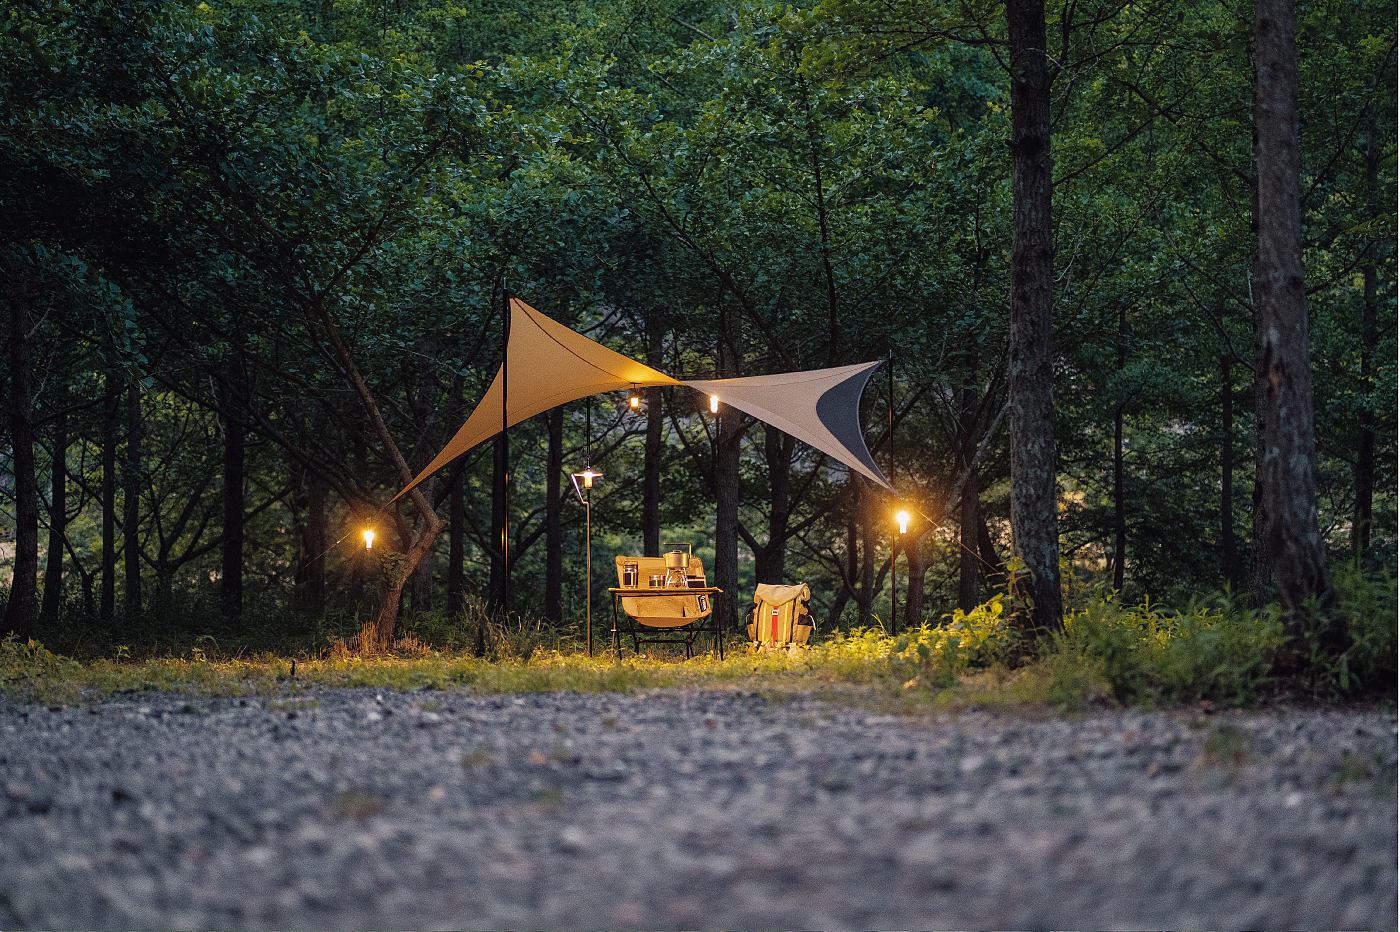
(1110,654)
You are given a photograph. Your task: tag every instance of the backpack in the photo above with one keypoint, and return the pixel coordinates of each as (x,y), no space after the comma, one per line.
(779,617)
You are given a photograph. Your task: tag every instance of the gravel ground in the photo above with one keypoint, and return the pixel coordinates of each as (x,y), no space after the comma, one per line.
(672,810)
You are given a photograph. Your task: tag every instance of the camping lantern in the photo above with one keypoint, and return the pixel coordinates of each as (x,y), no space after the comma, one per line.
(369,539)
(903,519)
(634,401)
(714,404)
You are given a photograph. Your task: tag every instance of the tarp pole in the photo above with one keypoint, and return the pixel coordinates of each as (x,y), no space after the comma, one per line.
(505,451)
(894,549)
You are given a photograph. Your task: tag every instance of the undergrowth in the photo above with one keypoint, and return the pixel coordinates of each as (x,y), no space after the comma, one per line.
(1110,653)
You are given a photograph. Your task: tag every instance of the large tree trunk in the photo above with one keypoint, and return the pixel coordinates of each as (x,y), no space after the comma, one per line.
(107,598)
(131,502)
(1290,483)
(19,611)
(553,518)
(1366,441)
(1034,523)
(58,520)
(1227,475)
(843,592)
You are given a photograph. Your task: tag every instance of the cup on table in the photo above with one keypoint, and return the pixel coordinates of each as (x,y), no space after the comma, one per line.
(658,580)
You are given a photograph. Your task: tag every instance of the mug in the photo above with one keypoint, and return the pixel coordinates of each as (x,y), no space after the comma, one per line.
(658,580)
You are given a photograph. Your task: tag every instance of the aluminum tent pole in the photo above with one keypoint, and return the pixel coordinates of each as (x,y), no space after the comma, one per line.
(505,453)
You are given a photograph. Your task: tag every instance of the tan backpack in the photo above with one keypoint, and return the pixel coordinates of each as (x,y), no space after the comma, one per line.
(779,617)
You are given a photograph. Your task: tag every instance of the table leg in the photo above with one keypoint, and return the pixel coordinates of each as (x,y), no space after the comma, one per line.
(617,646)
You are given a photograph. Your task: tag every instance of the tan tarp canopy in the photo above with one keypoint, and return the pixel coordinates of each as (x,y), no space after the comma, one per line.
(821,408)
(547,364)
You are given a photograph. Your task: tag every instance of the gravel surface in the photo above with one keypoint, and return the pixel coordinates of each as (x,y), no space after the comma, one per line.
(682,809)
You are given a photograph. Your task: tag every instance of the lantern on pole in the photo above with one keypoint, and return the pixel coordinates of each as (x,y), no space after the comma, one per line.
(369,539)
(583,487)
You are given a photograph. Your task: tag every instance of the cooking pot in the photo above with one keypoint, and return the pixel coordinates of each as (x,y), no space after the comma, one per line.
(678,559)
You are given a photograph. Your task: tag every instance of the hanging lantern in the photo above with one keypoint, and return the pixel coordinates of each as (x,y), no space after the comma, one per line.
(369,539)
(634,401)
(714,404)
(903,519)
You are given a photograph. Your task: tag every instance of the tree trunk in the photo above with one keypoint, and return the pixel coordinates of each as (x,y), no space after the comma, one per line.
(993,568)
(131,502)
(58,520)
(967,522)
(918,569)
(231,564)
(19,611)
(843,593)
(315,543)
(107,599)
(1366,442)
(1034,522)
(654,448)
(1290,483)
(869,541)
(553,518)
(360,564)
(1120,510)
(729,435)
(421,588)
(423,404)
(1227,475)
(456,557)
(770,562)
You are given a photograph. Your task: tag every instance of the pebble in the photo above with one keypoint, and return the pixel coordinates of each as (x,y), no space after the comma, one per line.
(672,809)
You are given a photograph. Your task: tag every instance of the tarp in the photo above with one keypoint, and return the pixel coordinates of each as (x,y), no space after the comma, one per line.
(547,364)
(820,407)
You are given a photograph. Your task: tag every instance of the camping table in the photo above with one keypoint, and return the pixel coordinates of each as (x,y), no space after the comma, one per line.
(646,592)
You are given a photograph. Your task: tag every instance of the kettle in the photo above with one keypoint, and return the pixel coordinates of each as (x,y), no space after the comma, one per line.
(677,565)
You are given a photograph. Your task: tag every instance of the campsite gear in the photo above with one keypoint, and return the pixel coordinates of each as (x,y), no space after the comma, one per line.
(779,617)
(662,614)
(629,575)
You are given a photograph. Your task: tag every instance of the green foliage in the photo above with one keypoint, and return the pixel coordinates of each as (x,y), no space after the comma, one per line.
(1148,653)
(1366,607)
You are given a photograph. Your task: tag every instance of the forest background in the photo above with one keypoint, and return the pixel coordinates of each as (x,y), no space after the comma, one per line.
(254,255)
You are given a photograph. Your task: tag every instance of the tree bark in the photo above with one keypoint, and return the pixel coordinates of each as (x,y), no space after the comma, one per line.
(1290,483)
(553,518)
(131,501)
(1227,475)
(1034,522)
(19,611)
(58,521)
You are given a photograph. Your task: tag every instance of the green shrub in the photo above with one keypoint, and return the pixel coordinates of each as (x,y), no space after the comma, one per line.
(1148,653)
(1366,607)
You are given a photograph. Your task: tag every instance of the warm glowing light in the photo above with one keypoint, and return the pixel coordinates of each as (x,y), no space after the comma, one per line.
(588,476)
(634,401)
(714,404)
(369,540)
(903,519)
